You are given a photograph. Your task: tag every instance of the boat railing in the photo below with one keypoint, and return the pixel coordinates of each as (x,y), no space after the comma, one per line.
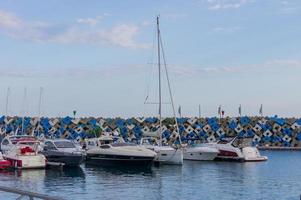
(27,194)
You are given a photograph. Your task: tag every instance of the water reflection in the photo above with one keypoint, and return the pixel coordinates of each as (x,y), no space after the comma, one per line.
(64,181)
(73,172)
(118,170)
(278,178)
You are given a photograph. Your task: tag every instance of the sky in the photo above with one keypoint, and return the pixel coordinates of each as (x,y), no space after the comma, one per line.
(99,57)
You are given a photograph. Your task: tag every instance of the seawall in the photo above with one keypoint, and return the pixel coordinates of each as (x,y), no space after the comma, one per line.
(266,131)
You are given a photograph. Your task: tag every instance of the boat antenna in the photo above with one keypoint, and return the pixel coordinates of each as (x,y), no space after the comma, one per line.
(24,112)
(39,109)
(159,69)
(6,106)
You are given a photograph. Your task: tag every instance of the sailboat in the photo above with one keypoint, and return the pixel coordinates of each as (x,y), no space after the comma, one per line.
(165,154)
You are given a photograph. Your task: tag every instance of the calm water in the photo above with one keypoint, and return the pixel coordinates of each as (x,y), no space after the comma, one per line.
(278,178)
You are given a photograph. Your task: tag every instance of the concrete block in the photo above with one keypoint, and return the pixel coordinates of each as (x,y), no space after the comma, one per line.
(211,138)
(238,129)
(207,128)
(192,121)
(267,133)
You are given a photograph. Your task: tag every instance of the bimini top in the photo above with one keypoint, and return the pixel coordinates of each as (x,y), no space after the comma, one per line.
(19,138)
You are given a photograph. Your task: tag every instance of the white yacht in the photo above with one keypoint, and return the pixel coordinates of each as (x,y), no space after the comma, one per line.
(103,151)
(237,149)
(200,152)
(22,152)
(165,154)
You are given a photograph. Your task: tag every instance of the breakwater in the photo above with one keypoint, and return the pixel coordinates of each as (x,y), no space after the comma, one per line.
(266,131)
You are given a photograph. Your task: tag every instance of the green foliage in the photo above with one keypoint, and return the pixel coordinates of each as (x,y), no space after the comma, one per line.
(96,132)
(168,121)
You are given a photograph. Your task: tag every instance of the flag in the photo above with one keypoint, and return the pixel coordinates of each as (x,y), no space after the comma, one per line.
(260,110)
(219,110)
(239,110)
(180,111)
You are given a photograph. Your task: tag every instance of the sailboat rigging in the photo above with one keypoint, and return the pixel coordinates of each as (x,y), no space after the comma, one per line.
(165,154)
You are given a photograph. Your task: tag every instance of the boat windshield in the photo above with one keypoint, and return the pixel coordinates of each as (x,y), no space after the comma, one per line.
(64,144)
(225,140)
(123,144)
(242,142)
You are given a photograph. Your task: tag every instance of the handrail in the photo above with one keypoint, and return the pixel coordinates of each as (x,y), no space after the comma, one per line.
(31,195)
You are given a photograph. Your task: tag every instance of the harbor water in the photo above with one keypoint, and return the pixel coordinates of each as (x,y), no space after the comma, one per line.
(278,178)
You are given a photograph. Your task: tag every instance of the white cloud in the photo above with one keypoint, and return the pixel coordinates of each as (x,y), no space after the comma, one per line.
(221,29)
(9,20)
(226,4)
(128,69)
(89,21)
(284,2)
(123,35)
(174,16)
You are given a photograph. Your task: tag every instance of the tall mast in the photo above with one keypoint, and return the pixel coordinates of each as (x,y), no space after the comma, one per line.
(7,98)
(40,102)
(159,68)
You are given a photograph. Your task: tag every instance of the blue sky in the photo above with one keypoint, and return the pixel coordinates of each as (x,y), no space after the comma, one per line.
(95,56)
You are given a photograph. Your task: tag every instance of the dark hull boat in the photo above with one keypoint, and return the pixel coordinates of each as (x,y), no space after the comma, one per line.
(106,153)
(118,160)
(63,158)
(62,153)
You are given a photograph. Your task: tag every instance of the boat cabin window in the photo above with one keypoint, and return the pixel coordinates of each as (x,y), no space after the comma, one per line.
(64,144)
(105,142)
(105,146)
(49,146)
(5,142)
(91,143)
(242,142)
(123,144)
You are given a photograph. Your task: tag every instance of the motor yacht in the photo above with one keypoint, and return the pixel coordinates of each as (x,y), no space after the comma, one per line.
(237,149)
(9,142)
(62,152)
(22,152)
(200,152)
(106,152)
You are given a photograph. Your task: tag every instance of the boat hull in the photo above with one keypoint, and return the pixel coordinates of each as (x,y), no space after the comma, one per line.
(67,159)
(119,160)
(168,156)
(27,162)
(246,154)
(200,153)
(5,164)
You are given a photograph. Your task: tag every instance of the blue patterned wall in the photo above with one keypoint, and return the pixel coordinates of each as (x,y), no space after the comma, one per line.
(272,131)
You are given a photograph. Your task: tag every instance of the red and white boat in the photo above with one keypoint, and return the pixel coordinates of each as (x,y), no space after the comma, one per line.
(22,152)
(4,164)
(238,149)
